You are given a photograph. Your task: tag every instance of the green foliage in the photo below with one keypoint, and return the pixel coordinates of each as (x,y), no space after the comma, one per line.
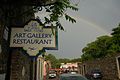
(75,60)
(57,11)
(64,60)
(69,18)
(116,38)
(54,62)
(103,46)
(97,49)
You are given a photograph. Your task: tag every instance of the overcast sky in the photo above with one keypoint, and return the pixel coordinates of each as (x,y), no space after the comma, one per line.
(94,18)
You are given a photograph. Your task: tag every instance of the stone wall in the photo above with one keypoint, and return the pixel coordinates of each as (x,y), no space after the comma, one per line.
(20,66)
(13,62)
(108,66)
(4,48)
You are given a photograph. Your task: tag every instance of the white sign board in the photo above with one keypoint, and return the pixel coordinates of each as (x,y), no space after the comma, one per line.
(33,37)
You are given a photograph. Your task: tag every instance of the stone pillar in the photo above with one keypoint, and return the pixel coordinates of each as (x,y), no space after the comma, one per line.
(4,44)
(20,67)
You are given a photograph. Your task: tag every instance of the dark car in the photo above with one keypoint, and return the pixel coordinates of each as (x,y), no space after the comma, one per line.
(94,74)
(69,76)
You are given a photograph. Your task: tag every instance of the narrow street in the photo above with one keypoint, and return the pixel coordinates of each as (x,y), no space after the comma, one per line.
(54,79)
(57,78)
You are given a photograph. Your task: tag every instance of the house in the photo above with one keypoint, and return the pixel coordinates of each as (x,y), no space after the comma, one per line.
(68,67)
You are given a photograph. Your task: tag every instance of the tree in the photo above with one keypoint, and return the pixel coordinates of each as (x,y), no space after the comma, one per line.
(98,48)
(75,60)
(58,10)
(103,46)
(116,39)
(54,62)
(64,60)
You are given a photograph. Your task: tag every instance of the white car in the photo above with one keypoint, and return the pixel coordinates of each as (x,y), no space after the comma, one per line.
(52,74)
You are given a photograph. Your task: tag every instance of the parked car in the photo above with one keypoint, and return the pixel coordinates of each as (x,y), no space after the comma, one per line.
(94,74)
(69,76)
(73,72)
(52,74)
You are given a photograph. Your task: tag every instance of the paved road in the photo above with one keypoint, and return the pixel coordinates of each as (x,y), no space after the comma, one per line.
(54,78)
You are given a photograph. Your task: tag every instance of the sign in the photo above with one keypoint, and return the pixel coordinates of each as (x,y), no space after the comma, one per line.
(33,37)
